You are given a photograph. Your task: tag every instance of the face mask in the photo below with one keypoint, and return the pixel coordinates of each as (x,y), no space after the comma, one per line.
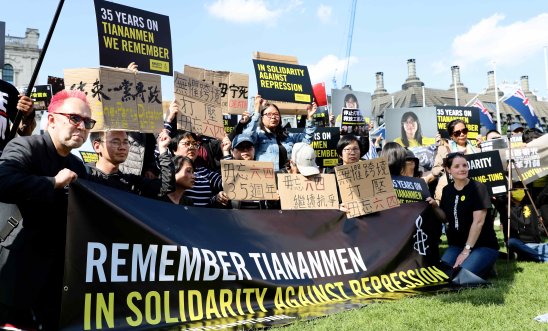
(518,194)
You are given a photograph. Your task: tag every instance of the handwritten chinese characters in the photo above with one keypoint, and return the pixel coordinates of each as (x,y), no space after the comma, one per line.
(366,187)
(200,104)
(314,192)
(249,180)
(120,99)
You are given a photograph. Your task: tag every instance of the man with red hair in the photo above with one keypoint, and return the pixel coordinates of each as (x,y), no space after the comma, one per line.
(35,172)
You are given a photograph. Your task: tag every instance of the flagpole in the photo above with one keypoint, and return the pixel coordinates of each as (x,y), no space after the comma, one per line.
(546,69)
(499,126)
(423,97)
(474,98)
(455,88)
(19,115)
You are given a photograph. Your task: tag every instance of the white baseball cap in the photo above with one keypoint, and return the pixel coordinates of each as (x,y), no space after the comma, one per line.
(304,157)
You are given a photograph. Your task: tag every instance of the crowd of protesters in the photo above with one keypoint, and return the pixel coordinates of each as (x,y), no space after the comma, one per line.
(35,172)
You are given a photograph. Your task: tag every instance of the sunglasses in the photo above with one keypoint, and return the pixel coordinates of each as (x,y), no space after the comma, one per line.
(77,119)
(458,132)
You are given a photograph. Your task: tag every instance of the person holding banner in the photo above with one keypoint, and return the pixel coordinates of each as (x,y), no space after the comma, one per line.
(471,238)
(411,132)
(35,173)
(274,143)
(459,143)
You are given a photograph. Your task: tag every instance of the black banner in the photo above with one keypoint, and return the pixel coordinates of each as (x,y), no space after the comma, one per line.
(324,143)
(410,189)
(136,262)
(283,81)
(128,34)
(470,116)
(229,122)
(41,95)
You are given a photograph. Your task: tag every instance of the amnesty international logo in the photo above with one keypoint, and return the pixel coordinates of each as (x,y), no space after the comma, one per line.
(462,198)
(420,238)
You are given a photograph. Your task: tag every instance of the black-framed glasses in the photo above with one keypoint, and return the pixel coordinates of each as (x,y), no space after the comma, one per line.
(77,119)
(459,132)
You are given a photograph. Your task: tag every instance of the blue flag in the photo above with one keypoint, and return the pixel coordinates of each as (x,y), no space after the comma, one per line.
(519,102)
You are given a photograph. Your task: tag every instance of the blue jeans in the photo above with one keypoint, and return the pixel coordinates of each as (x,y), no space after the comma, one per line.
(530,252)
(480,261)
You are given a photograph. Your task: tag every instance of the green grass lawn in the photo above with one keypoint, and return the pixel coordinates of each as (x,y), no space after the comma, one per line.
(516,296)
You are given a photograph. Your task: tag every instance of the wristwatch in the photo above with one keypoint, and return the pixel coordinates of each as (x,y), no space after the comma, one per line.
(468,247)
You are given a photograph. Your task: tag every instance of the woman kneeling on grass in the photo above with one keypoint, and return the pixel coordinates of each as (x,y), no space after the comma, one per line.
(472,241)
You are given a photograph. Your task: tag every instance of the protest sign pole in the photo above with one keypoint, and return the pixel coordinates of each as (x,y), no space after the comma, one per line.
(19,115)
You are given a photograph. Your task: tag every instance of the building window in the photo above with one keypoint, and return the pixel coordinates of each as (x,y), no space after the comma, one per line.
(7,73)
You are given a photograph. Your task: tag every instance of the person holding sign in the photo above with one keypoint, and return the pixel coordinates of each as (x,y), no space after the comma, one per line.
(411,132)
(274,143)
(208,185)
(35,173)
(472,241)
(459,143)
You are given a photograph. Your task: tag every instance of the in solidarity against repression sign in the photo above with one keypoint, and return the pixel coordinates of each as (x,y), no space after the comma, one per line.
(128,34)
(283,82)
(133,262)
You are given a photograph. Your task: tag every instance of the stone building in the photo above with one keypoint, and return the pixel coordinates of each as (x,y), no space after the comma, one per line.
(21,56)
(411,95)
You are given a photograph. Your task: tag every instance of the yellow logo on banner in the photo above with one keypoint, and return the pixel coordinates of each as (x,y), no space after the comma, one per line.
(462,198)
(302,97)
(159,65)
(330,162)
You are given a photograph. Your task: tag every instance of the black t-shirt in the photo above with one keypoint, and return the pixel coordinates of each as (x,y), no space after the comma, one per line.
(459,207)
(9,96)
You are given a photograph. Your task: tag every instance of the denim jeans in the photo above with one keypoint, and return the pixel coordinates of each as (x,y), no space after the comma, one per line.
(480,261)
(529,252)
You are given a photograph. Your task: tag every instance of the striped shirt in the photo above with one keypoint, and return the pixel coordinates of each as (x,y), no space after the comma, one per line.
(206,185)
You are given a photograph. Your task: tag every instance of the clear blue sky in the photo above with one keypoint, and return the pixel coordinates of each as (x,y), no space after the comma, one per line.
(223,34)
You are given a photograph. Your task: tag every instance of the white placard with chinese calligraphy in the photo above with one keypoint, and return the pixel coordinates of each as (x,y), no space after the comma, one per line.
(313,192)
(366,187)
(200,104)
(249,180)
(119,98)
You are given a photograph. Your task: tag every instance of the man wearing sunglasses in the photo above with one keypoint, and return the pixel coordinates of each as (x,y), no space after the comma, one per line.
(35,173)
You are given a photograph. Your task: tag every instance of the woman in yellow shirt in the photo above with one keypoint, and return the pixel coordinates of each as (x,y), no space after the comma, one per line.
(411,132)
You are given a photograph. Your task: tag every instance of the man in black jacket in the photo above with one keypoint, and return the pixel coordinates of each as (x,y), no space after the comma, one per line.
(35,173)
(112,147)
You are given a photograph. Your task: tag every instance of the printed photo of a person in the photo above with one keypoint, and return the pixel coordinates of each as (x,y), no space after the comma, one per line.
(411,132)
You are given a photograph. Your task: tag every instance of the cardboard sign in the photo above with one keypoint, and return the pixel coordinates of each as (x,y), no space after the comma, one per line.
(249,180)
(41,95)
(320,96)
(531,161)
(283,82)
(486,168)
(234,87)
(128,34)
(366,187)
(470,116)
(119,98)
(410,189)
(313,192)
(200,104)
(324,143)
(353,122)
